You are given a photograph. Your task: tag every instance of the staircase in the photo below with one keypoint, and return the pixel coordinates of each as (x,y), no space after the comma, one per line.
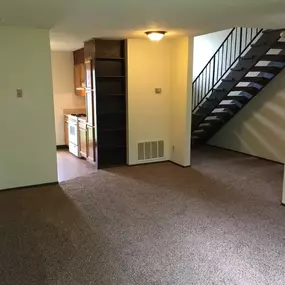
(243,65)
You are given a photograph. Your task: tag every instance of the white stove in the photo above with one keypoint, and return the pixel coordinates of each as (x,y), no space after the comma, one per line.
(74,133)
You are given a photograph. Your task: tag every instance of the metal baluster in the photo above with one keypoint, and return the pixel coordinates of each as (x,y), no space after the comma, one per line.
(206,79)
(231,48)
(245,41)
(240,45)
(235,54)
(194,95)
(205,83)
(251,30)
(208,76)
(214,67)
(202,91)
(226,59)
(221,60)
(199,91)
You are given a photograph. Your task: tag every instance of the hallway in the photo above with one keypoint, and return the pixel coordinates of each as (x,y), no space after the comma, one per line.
(70,167)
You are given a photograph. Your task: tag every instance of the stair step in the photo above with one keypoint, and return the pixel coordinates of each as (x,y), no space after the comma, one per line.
(271,31)
(240,99)
(197,114)
(228,80)
(205,125)
(212,100)
(206,107)
(255,79)
(248,89)
(209,104)
(238,69)
(231,107)
(205,129)
(198,131)
(221,115)
(258,44)
(219,89)
(250,57)
(279,45)
(195,137)
(273,57)
(266,69)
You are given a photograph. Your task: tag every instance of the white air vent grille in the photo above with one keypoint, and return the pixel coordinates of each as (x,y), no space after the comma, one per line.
(150,150)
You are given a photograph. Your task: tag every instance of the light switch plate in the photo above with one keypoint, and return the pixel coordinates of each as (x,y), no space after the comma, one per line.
(19,93)
(157,90)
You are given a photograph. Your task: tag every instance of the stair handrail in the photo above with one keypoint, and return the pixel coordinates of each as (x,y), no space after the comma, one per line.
(215,70)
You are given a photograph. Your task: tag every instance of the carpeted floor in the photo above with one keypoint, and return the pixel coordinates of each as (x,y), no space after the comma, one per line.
(218,222)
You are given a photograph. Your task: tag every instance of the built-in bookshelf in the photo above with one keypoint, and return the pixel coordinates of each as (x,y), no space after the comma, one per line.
(111,111)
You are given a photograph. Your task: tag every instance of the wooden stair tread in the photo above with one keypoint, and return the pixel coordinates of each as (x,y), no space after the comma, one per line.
(231,106)
(249,89)
(266,69)
(273,57)
(255,79)
(279,45)
(239,98)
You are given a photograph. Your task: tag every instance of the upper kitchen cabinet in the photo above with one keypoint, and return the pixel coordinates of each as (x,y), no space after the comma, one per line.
(79,72)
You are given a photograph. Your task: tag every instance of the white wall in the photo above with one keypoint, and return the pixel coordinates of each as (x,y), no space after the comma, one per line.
(149,66)
(181,98)
(259,128)
(27,144)
(63,90)
(162,116)
(204,48)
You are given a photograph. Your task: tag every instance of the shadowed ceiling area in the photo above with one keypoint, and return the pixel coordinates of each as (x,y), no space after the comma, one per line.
(72,22)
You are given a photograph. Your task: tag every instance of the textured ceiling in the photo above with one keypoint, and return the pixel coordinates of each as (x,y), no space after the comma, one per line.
(73,21)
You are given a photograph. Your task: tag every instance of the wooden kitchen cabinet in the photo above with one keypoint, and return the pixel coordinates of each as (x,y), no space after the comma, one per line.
(83,138)
(91,157)
(66,131)
(79,79)
(79,72)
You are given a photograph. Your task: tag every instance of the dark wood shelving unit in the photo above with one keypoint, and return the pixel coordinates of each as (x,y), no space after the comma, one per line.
(109,58)
(98,77)
(111,111)
(110,95)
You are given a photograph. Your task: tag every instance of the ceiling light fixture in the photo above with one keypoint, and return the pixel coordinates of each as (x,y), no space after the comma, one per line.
(155,35)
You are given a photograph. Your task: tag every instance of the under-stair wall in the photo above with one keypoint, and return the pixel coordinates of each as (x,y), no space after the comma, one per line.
(204,48)
(259,128)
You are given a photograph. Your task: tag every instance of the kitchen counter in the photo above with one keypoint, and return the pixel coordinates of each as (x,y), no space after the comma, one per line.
(82,119)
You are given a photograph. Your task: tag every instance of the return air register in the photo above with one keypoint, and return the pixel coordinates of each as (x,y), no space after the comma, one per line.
(151,150)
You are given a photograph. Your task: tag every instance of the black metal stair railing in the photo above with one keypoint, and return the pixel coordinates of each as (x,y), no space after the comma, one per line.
(232,48)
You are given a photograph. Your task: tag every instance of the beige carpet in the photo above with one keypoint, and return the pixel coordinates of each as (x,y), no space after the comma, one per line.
(219,222)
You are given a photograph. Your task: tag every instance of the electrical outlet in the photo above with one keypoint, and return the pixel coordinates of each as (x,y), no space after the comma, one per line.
(19,93)
(157,90)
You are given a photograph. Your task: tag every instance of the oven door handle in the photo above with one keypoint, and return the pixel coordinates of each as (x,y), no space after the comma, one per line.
(89,89)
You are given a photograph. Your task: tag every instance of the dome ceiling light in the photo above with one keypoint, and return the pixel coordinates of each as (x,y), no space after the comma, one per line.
(155,35)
